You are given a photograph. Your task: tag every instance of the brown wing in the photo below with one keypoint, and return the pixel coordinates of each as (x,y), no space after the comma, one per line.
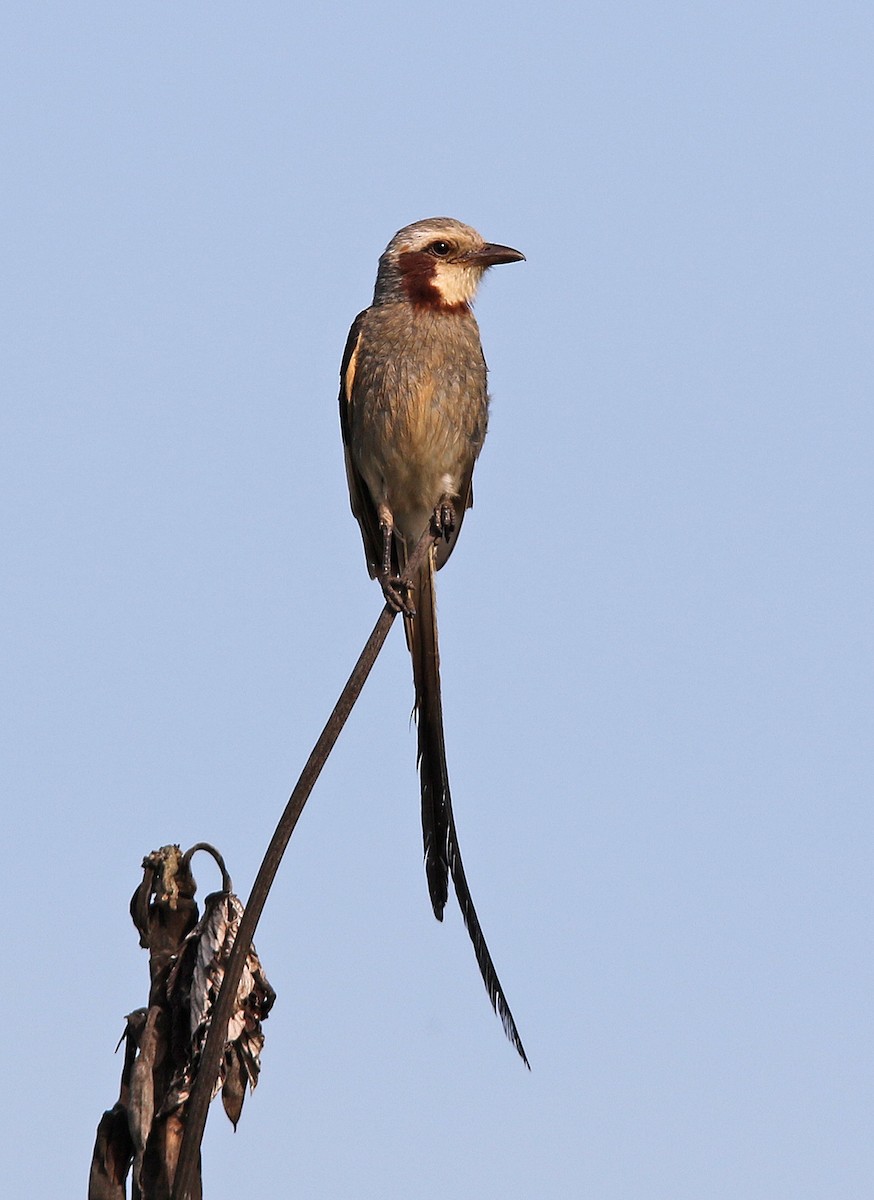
(443,548)
(359,496)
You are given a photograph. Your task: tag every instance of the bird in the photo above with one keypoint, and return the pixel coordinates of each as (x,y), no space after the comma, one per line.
(414,410)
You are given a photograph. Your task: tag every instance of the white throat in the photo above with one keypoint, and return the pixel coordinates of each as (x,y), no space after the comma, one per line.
(456,283)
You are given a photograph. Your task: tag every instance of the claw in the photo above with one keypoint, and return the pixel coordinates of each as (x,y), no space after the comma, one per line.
(397,594)
(443,520)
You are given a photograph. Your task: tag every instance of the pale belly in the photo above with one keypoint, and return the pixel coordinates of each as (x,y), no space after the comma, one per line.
(415,455)
(419,425)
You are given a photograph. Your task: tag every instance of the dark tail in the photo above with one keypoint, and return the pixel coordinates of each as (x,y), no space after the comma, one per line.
(442,853)
(422,640)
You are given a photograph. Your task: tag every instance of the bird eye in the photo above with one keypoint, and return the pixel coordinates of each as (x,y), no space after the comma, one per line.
(441,249)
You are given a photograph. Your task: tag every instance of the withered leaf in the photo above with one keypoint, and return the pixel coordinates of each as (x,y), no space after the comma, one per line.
(193,986)
(112,1158)
(234,1086)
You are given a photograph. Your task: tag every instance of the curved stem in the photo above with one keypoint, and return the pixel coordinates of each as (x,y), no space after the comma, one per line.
(198,1102)
(227,885)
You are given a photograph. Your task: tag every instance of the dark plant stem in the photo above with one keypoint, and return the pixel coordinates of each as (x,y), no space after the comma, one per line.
(201,1091)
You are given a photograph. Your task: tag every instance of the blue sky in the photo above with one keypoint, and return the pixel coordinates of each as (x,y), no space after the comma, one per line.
(656,635)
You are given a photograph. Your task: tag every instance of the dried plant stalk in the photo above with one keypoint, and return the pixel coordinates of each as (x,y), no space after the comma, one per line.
(142,1133)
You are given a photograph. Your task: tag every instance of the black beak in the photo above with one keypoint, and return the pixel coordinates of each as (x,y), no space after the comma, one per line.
(490,255)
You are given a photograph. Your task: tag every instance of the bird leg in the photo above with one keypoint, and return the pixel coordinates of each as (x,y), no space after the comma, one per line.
(395,589)
(443,520)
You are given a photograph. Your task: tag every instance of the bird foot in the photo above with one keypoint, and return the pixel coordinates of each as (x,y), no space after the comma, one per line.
(443,519)
(397,594)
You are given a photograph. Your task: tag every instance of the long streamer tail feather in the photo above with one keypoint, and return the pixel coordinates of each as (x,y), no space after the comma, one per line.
(442,852)
(480,949)
(434,780)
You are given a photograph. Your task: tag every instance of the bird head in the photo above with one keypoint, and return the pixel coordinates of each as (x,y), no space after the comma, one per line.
(437,264)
